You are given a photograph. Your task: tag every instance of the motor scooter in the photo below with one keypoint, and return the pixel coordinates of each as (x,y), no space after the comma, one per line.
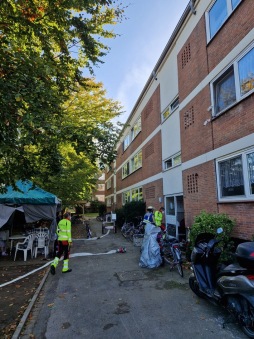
(232,286)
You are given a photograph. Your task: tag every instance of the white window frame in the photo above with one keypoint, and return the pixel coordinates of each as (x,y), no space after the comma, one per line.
(126,142)
(230,10)
(125,170)
(136,129)
(170,109)
(238,94)
(108,202)
(136,161)
(127,196)
(173,161)
(132,165)
(109,184)
(246,180)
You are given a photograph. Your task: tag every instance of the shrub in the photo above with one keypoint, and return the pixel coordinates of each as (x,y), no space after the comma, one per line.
(130,211)
(209,223)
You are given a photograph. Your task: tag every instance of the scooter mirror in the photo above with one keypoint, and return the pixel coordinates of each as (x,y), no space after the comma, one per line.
(219,230)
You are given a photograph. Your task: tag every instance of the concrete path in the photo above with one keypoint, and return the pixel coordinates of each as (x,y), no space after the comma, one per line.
(108,296)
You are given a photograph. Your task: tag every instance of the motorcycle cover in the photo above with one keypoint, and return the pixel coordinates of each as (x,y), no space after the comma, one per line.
(150,251)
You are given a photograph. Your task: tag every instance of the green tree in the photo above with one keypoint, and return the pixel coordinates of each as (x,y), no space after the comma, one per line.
(44,44)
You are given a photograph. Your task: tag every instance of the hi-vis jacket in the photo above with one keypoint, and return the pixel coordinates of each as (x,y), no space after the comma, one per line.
(64,230)
(158,216)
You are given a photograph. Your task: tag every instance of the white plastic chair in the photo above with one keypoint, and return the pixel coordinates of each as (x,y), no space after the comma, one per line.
(41,242)
(25,246)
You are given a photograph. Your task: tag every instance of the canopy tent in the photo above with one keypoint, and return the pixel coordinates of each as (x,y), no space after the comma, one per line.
(36,203)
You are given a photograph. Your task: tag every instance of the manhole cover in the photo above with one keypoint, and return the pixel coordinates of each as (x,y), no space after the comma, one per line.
(133,275)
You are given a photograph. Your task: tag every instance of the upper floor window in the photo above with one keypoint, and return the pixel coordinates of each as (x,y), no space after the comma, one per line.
(126,170)
(126,142)
(136,129)
(101,187)
(218,14)
(132,165)
(172,162)
(170,109)
(135,194)
(108,184)
(136,161)
(234,84)
(236,176)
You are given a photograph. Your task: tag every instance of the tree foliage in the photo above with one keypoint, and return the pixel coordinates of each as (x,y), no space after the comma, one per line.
(44,44)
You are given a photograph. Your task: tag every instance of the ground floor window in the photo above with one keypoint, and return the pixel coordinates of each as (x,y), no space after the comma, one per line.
(236,176)
(135,194)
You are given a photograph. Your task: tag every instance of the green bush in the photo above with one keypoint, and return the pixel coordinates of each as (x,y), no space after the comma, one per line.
(130,211)
(209,223)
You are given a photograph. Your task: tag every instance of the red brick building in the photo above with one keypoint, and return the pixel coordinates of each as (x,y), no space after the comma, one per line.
(188,143)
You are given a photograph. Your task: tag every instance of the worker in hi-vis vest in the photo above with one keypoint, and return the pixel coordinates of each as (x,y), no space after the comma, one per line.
(158,216)
(64,244)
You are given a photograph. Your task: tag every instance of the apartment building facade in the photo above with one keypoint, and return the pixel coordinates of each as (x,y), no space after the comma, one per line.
(188,143)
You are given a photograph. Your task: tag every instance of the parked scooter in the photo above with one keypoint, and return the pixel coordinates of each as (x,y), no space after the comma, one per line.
(232,286)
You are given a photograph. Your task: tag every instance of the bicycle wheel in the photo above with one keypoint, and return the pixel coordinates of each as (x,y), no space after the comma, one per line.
(167,256)
(178,261)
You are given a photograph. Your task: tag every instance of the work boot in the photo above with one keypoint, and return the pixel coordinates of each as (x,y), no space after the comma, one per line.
(66,268)
(54,265)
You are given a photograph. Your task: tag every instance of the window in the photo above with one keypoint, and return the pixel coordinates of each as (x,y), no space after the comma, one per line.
(225,93)
(172,162)
(108,202)
(136,161)
(234,84)
(218,14)
(100,187)
(246,72)
(235,3)
(126,197)
(236,177)
(108,184)
(126,142)
(126,170)
(169,110)
(132,165)
(174,104)
(135,194)
(136,129)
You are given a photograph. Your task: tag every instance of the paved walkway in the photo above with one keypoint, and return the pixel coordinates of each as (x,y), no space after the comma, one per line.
(109,296)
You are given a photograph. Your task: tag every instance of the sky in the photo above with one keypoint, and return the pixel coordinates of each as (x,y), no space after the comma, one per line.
(136,51)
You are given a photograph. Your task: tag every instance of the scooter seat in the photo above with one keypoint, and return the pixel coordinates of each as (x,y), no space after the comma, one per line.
(233,269)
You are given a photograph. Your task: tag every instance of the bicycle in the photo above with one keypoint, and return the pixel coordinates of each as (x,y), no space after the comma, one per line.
(136,230)
(171,253)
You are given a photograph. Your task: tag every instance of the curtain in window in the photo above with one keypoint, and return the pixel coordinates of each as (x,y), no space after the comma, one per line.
(231,177)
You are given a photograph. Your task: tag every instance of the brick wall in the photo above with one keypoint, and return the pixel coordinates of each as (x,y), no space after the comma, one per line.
(150,119)
(192,60)
(243,214)
(196,139)
(152,192)
(199,186)
(236,123)
(151,164)
(231,33)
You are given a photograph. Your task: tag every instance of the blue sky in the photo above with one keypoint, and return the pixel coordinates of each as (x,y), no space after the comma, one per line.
(134,54)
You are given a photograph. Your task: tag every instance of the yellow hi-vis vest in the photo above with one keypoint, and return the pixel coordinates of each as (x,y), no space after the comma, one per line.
(64,230)
(158,216)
